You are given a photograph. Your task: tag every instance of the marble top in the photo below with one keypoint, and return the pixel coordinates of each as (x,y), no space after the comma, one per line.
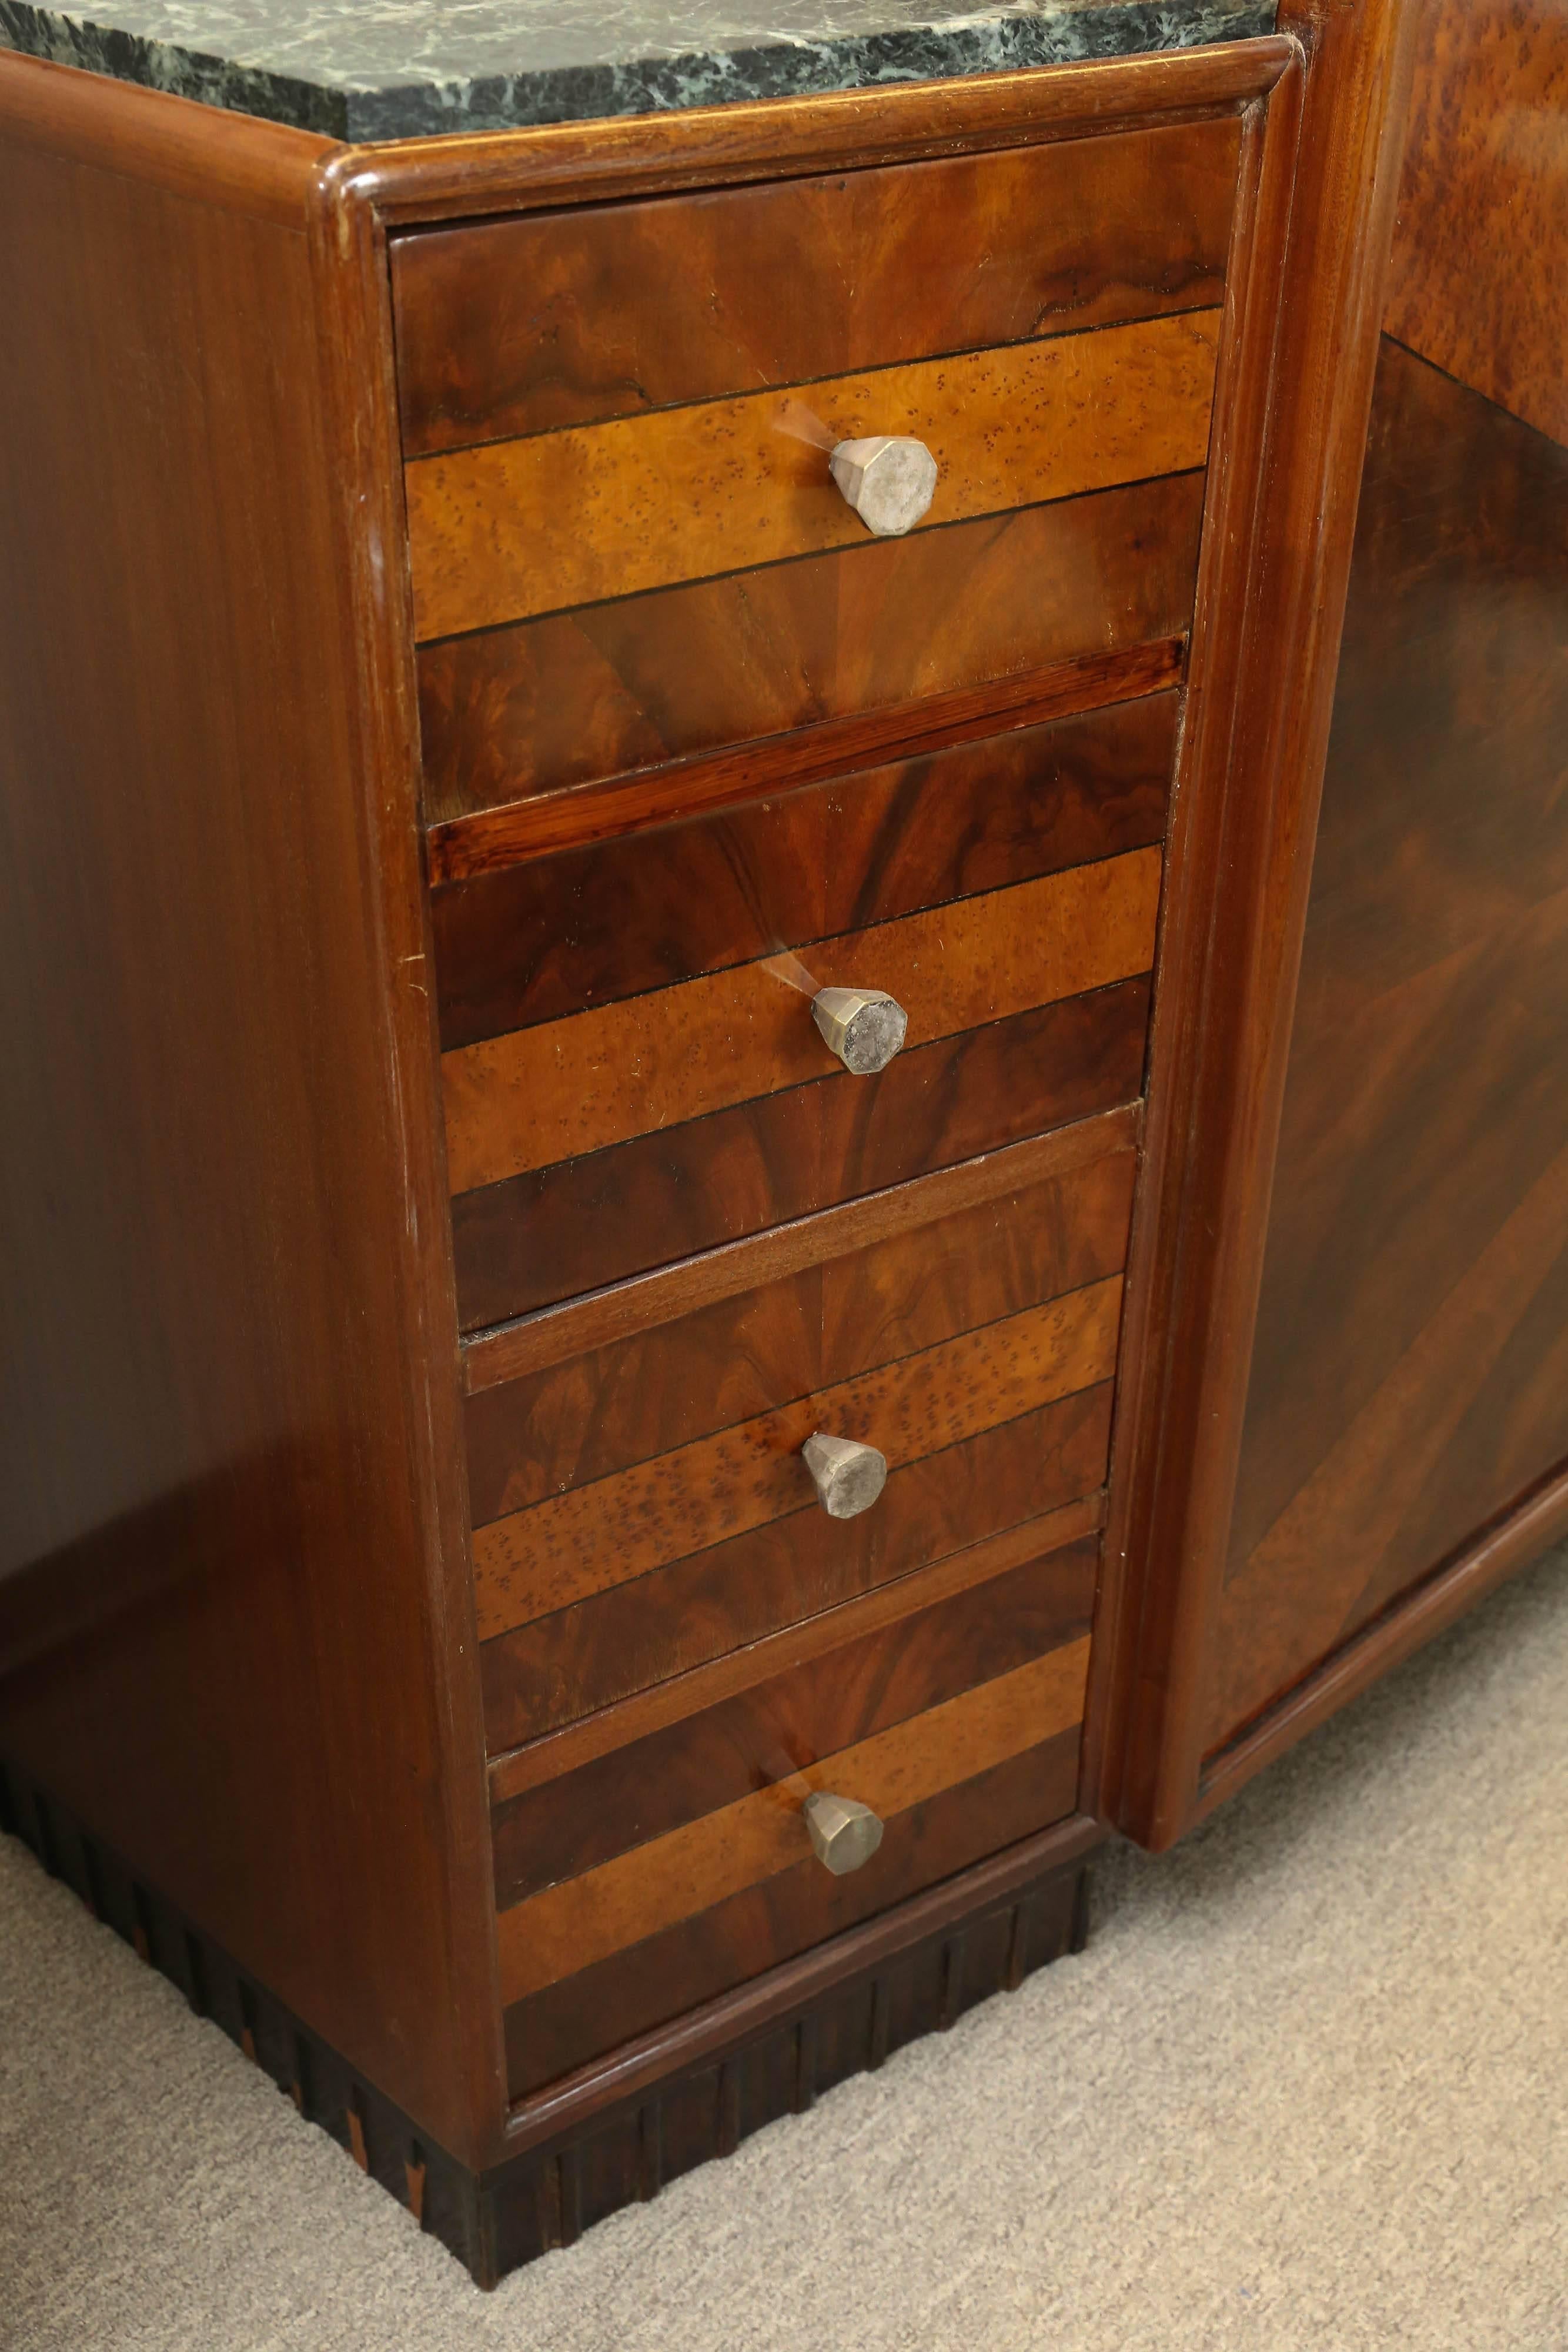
(364,69)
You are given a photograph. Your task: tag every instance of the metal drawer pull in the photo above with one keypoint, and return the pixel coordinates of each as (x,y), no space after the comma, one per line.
(888,480)
(845,1832)
(863,1026)
(849,1476)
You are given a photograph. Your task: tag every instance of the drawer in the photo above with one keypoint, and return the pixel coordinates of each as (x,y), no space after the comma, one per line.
(515,529)
(625,544)
(632,1070)
(643,1506)
(514,327)
(633,1879)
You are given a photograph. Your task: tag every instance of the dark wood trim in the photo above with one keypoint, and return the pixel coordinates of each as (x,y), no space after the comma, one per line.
(434,180)
(575,2156)
(496,837)
(719,2024)
(492,1358)
(1404,1627)
(1276,549)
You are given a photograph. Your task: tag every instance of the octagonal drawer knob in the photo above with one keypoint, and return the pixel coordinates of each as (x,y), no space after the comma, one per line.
(849,1476)
(889,481)
(845,1832)
(863,1026)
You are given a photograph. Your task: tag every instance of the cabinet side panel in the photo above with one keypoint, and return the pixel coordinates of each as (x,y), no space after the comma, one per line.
(1407,1392)
(1410,1381)
(221,1624)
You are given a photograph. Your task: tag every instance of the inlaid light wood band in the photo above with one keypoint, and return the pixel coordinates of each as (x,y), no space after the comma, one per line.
(519,528)
(583,1542)
(538,1095)
(674,1877)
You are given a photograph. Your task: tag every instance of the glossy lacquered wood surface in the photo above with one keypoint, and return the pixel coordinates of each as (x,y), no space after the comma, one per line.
(1290,423)
(899,627)
(1409,1380)
(546,1235)
(694,1611)
(519,528)
(1479,284)
(218,1409)
(691,1870)
(662,1472)
(781,1721)
(746,1934)
(542,939)
(589,1413)
(523,326)
(648,1063)
(717,1488)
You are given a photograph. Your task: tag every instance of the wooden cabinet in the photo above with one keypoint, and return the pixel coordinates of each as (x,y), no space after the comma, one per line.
(1385,1435)
(459,731)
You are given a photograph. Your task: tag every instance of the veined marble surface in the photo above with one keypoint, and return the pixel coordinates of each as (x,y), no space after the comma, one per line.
(366,69)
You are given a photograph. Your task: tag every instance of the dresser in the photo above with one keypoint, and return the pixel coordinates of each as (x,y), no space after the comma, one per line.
(655,759)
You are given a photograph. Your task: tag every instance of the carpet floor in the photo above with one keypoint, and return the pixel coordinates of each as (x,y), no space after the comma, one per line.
(1307,2087)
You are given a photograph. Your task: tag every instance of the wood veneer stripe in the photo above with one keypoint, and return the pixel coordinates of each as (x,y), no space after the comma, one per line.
(540,940)
(674,1877)
(567,1231)
(728,1751)
(491,1358)
(539,1097)
(524,326)
(584,1419)
(543,1558)
(557,1752)
(604,511)
(490,838)
(556,1669)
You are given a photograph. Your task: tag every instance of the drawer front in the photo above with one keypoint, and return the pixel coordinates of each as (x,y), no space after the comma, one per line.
(508,327)
(908,627)
(626,543)
(516,529)
(680,1862)
(627,1079)
(642,1505)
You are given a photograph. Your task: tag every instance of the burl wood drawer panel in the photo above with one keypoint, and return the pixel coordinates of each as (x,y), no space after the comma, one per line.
(642,1505)
(633,1880)
(631,1069)
(626,546)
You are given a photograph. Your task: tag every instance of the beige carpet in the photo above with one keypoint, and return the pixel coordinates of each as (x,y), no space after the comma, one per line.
(1307,2087)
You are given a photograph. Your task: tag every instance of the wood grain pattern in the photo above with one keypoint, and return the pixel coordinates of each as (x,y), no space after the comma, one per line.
(537,1561)
(642,1715)
(885,625)
(578,516)
(523,326)
(820,753)
(569,1229)
(691,1869)
(789,1719)
(222,1278)
(1410,1372)
(577,1326)
(1479,284)
(1290,427)
(553,2033)
(543,939)
(582,1418)
(560,1091)
(682,1616)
